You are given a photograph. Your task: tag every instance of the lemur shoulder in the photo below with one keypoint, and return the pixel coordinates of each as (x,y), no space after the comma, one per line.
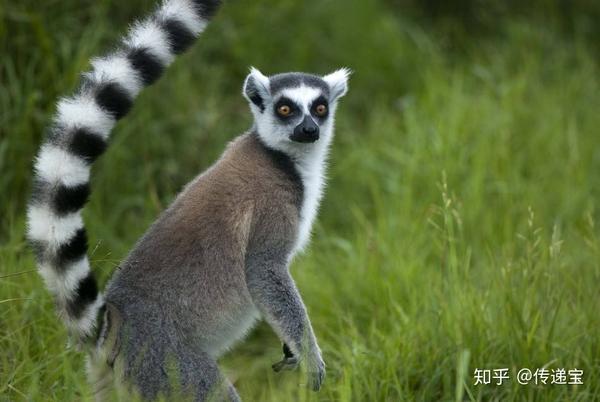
(217,259)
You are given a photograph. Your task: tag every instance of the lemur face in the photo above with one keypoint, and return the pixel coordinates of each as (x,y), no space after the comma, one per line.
(293,110)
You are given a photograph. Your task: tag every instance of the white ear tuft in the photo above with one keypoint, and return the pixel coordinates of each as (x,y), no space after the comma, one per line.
(256,88)
(338,82)
(260,77)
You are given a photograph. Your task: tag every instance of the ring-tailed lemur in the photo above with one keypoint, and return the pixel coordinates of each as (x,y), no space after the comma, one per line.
(217,259)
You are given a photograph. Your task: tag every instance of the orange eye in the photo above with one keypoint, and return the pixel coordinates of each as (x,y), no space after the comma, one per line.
(321,110)
(284,110)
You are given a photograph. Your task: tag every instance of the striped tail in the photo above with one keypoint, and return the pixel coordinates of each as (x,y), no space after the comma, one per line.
(78,135)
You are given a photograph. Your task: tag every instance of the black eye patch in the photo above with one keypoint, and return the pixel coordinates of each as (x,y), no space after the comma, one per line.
(321,100)
(294,109)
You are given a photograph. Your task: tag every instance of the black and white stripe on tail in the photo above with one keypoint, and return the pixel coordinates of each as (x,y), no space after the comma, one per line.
(78,134)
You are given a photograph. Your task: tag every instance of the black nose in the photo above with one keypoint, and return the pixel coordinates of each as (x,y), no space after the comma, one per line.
(310,129)
(307,131)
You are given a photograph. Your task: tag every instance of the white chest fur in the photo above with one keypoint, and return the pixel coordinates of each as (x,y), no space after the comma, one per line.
(312,172)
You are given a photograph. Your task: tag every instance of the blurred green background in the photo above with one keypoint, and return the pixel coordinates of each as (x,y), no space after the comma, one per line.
(459,226)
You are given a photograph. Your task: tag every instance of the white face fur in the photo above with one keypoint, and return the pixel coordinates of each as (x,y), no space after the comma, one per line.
(294,112)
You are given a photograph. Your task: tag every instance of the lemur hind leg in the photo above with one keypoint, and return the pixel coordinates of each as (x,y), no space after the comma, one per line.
(202,379)
(100,362)
(177,372)
(150,357)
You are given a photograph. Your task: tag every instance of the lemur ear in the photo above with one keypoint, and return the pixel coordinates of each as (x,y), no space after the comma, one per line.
(256,88)
(338,83)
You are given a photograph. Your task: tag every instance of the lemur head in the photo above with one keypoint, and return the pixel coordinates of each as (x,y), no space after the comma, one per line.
(294,110)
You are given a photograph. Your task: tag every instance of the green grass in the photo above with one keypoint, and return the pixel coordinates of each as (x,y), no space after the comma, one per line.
(459,226)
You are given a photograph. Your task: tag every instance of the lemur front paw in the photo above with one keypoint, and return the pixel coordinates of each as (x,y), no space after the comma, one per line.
(289,362)
(315,367)
(316,373)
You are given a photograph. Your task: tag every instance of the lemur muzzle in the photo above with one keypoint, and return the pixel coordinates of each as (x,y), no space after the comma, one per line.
(307,131)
